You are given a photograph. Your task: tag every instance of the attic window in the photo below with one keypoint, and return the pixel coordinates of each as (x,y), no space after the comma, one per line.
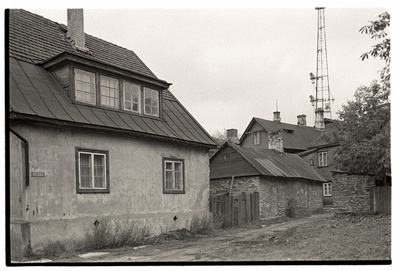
(151,102)
(288,131)
(85,89)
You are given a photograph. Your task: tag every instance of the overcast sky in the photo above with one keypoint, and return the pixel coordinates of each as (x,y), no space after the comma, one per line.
(229,65)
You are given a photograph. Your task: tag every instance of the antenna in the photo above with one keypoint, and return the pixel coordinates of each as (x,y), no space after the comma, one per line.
(323,98)
(276,104)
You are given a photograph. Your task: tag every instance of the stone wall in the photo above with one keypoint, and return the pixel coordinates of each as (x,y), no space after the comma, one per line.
(351,192)
(240,185)
(276,194)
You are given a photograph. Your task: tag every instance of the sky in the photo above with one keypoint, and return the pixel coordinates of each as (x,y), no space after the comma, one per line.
(228,65)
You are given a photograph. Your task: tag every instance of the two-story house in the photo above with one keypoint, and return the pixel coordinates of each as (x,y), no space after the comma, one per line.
(94,133)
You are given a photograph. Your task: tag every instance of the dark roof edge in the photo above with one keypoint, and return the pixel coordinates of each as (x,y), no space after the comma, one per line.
(23,117)
(71,56)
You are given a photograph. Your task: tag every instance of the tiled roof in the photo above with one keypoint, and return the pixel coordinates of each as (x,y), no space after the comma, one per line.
(278,164)
(36,95)
(300,139)
(35,39)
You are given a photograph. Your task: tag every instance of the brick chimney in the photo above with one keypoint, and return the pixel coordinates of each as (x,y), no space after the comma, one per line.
(76,33)
(319,119)
(301,120)
(232,135)
(277,116)
(275,140)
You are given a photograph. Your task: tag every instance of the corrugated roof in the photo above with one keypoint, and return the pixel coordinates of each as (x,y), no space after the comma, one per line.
(278,164)
(35,94)
(300,139)
(35,39)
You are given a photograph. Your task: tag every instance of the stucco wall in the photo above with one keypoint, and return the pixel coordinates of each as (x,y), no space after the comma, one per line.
(351,192)
(56,211)
(275,193)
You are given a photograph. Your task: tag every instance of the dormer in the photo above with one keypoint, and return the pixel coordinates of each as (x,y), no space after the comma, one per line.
(91,82)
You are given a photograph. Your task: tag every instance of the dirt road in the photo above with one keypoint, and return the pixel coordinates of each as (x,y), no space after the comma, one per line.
(237,244)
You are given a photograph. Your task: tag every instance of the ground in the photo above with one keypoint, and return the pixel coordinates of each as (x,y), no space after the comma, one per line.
(321,237)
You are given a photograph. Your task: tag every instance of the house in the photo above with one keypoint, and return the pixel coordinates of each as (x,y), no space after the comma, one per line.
(284,181)
(306,141)
(94,133)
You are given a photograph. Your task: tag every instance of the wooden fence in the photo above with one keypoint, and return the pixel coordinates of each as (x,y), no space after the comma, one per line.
(236,210)
(381,199)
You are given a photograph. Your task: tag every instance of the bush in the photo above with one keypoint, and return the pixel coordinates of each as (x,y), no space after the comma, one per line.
(290,208)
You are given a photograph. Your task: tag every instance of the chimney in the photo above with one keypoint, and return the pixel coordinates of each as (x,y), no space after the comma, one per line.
(275,140)
(301,120)
(319,119)
(76,33)
(277,116)
(232,135)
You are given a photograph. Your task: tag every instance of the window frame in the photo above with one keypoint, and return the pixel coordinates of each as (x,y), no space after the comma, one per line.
(328,188)
(81,190)
(173,160)
(257,140)
(144,102)
(94,85)
(321,161)
(123,97)
(118,91)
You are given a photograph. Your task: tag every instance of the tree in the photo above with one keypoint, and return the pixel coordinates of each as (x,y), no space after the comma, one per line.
(363,128)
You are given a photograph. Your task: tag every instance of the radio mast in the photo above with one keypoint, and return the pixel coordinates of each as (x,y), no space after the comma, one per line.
(323,99)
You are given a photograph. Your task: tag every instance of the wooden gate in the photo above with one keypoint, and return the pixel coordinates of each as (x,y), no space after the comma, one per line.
(236,210)
(381,199)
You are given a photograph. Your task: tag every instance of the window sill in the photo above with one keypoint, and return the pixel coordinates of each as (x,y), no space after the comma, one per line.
(93,191)
(174,192)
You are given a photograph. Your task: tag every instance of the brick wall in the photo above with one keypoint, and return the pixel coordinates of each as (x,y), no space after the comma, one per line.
(275,193)
(351,192)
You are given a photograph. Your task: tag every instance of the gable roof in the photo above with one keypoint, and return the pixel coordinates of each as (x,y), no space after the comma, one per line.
(300,139)
(35,94)
(274,163)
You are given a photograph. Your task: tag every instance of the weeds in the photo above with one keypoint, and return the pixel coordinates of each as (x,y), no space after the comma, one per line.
(201,224)
(113,234)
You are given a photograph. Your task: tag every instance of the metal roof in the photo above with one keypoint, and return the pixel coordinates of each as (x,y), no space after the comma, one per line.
(278,164)
(36,95)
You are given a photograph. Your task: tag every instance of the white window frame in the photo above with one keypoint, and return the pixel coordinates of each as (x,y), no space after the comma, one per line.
(256,138)
(103,96)
(125,83)
(323,159)
(327,189)
(84,84)
(145,90)
(105,178)
(165,170)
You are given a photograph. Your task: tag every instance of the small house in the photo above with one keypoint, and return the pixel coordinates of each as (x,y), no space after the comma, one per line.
(94,133)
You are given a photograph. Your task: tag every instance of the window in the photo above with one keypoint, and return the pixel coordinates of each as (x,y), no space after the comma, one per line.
(257,138)
(311,162)
(85,89)
(322,159)
(174,174)
(151,102)
(131,97)
(109,91)
(92,171)
(327,189)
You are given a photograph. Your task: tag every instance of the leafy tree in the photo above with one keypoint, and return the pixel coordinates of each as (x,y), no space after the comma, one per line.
(363,129)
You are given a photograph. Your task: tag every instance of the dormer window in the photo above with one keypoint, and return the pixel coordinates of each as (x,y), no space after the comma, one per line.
(101,90)
(131,97)
(109,92)
(85,88)
(151,102)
